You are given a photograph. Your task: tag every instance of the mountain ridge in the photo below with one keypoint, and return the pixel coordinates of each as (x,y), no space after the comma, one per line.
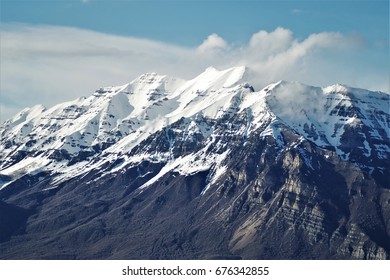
(212,144)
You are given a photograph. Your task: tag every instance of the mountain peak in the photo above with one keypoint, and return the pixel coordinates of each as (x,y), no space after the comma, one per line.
(123,116)
(212,78)
(340,88)
(151,82)
(289,159)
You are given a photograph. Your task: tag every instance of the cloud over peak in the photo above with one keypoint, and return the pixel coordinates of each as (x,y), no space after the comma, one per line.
(269,43)
(50,64)
(214,43)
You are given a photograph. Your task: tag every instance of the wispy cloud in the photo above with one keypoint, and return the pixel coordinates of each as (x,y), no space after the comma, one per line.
(49,64)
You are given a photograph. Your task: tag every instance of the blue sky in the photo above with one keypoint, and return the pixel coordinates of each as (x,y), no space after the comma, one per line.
(189,22)
(59,50)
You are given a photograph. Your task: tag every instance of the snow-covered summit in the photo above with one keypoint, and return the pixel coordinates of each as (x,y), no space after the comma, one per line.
(323,115)
(306,164)
(115,120)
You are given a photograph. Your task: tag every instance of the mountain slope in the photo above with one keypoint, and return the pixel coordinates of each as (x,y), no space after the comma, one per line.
(206,168)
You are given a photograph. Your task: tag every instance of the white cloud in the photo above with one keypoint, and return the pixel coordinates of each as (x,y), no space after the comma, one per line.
(278,40)
(213,44)
(265,45)
(49,64)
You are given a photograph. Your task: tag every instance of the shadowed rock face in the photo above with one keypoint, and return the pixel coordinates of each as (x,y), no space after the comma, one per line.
(298,201)
(253,177)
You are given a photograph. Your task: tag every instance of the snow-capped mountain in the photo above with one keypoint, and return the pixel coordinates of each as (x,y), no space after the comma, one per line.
(225,163)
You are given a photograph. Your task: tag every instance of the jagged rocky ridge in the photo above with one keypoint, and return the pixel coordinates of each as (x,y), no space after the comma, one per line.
(206,168)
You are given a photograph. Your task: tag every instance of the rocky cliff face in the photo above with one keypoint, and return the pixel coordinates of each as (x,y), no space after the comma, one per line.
(162,168)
